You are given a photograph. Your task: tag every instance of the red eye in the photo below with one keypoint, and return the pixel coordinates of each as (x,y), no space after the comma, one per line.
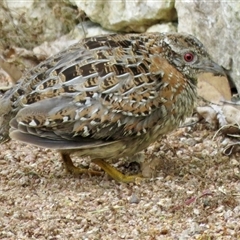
(188,57)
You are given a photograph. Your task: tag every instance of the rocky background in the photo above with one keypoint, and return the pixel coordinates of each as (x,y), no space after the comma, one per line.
(195,192)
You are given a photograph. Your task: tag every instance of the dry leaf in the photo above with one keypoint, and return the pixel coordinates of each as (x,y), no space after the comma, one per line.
(235,104)
(227,117)
(208,113)
(213,88)
(11,73)
(5,80)
(232,114)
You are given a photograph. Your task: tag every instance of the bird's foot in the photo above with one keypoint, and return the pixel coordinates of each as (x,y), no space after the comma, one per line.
(77,170)
(116,175)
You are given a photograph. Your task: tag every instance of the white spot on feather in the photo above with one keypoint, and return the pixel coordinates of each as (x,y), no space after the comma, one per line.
(93,123)
(119,123)
(95,95)
(88,101)
(85,132)
(65,118)
(46,122)
(32,123)
(83,119)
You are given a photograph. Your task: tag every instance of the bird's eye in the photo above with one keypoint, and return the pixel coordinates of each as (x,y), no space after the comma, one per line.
(189,57)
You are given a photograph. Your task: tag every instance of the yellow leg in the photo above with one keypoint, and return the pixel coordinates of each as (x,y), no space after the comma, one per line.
(115,174)
(76,170)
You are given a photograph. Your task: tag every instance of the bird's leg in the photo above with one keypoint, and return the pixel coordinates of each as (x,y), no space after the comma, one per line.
(115,174)
(76,170)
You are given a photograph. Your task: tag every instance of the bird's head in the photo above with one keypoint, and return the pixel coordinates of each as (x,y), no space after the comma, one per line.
(189,56)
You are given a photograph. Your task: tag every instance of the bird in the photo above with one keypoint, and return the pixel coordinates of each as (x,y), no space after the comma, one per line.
(107,97)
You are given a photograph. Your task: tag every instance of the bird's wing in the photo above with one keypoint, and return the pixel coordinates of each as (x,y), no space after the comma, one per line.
(103,88)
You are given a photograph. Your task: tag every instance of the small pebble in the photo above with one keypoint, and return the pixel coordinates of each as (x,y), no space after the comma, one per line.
(134,199)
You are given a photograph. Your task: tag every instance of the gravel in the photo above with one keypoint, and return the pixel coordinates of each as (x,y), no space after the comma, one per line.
(194,194)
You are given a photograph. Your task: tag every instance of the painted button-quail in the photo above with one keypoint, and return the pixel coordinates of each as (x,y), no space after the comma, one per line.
(107,97)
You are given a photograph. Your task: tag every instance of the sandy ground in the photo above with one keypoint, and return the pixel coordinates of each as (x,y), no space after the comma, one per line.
(195,194)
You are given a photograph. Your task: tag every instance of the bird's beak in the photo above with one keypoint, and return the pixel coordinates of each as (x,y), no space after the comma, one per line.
(212,67)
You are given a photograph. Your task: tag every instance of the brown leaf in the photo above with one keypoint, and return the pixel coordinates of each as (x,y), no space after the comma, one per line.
(11,73)
(208,113)
(213,88)
(232,114)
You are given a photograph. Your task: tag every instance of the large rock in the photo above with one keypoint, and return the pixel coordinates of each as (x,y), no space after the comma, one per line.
(29,23)
(217,25)
(83,30)
(127,16)
(163,27)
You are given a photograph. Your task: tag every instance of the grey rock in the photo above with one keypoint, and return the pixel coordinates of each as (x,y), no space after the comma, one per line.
(217,25)
(127,16)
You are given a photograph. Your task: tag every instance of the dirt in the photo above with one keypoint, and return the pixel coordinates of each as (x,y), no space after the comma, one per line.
(194,194)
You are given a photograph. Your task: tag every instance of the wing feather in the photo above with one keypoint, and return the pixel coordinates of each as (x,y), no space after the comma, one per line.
(102,88)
